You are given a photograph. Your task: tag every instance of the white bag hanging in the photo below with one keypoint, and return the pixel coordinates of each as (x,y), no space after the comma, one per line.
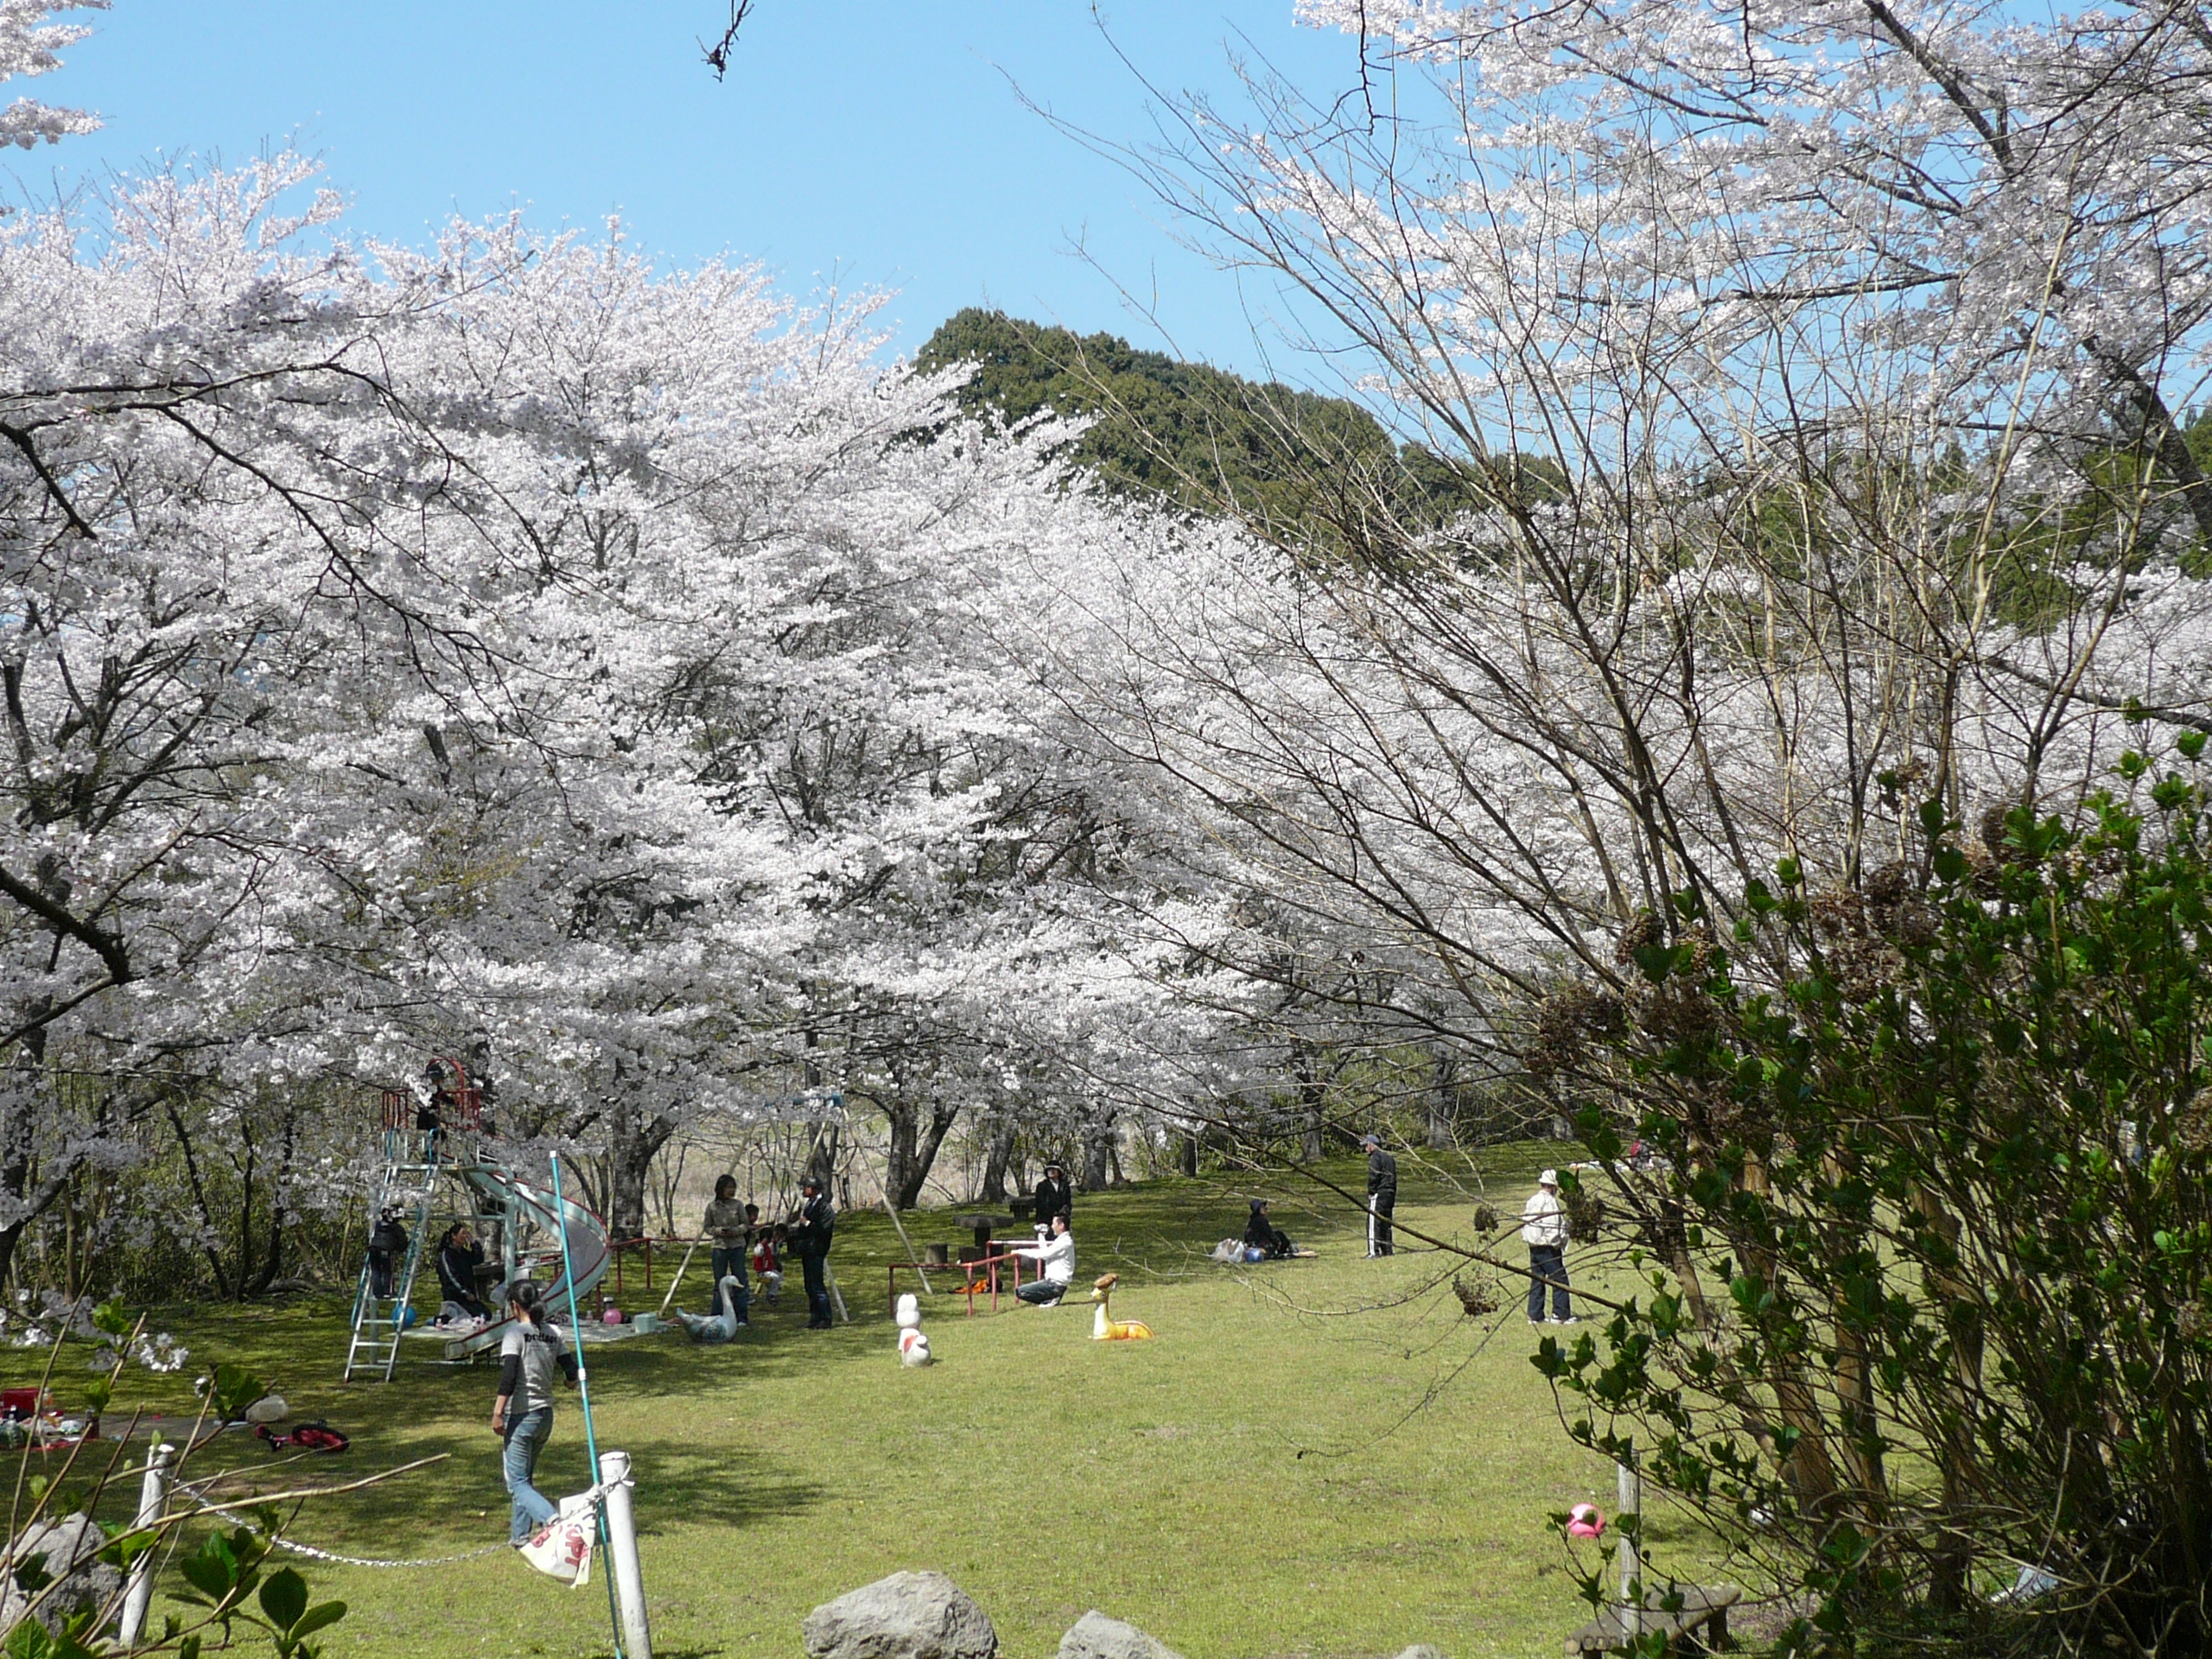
(563,1549)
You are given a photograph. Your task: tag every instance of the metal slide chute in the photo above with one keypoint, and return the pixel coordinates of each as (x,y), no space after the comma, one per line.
(527,1202)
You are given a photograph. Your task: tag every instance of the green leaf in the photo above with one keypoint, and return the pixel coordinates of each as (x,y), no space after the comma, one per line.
(320,1617)
(2191,744)
(111,1317)
(284,1599)
(211,1569)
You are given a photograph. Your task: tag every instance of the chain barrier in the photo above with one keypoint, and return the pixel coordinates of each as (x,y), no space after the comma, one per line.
(595,1494)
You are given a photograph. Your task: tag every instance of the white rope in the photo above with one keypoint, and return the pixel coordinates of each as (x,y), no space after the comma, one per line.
(595,1494)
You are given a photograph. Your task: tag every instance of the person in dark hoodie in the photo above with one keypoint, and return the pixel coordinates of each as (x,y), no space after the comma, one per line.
(387,1248)
(1054,1197)
(459,1256)
(1261,1234)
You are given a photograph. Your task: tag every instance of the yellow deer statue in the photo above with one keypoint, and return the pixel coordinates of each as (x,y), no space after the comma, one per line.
(1104,1327)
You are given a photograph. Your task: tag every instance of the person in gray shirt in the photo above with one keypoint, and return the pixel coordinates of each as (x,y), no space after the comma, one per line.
(530,1359)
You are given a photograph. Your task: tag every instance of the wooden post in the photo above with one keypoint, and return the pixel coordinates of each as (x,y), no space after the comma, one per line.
(622,1556)
(678,1279)
(138,1591)
(920,1271)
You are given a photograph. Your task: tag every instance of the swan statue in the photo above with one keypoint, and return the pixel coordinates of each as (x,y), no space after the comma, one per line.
(719,1326)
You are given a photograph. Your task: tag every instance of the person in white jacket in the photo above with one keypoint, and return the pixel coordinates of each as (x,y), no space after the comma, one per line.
(1543,1230)
(1055,1259)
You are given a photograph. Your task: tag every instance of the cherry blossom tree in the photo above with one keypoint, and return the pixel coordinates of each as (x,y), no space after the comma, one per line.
(1808,387)
(30,44)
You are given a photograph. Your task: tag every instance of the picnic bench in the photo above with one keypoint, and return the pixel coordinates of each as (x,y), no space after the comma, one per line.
(1701,1625)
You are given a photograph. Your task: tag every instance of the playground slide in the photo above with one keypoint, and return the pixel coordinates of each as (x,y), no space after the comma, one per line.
(588,1255)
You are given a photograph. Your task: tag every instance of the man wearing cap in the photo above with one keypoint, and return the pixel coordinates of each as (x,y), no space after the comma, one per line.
(1543,1230)
(1382,1194)
(810,1235)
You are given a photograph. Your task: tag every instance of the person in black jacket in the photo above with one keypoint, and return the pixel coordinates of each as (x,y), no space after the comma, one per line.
(1055,1197)
(387,1248)
(1382,1195)
(810,1234)
(1261,1234)
(459,1256)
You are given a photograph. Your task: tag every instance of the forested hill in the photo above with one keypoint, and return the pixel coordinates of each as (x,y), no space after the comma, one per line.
(1197,434)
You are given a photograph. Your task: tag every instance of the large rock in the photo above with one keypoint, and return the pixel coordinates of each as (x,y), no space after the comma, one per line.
(65,1549)
(1096,1637)
(907,1615)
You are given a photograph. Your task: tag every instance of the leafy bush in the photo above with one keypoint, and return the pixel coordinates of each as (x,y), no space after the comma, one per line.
(1925,1318)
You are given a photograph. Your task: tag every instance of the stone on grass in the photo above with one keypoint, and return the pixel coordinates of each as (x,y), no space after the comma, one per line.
(1096,1637)
(907,1615)
(1421,1651)
(67,1549)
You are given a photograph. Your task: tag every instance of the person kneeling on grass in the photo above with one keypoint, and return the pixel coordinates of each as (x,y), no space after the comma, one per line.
(529,1360)
(1261,1234)
(1055,1260)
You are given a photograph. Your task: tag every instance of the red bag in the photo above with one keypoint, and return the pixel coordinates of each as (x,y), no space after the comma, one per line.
(308,1437)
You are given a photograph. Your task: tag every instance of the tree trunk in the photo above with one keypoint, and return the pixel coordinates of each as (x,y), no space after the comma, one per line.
(996,1162)
(913,1149)
(1189,1153)
(1312,1093)
(200,1200)
(1443,1100)
(821,1159)
(634,1139)
(1097,1143)
(273,1261)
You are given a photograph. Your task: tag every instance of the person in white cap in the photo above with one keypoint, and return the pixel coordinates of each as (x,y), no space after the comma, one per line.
(1543,1230)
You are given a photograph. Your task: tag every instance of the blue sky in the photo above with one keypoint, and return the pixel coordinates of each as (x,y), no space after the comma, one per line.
(859,142)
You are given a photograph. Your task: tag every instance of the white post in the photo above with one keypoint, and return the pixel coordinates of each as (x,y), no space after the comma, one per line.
(622,1554)
(138,1590)
(837,1296)
(1630,1496)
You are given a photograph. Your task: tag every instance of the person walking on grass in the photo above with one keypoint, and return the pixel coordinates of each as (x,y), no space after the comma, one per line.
(530,1359)
(1543,1230)
(1382,1194)
(810,1235)
(725,1227)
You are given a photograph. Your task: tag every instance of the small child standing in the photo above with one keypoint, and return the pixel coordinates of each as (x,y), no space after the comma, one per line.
(767,1263)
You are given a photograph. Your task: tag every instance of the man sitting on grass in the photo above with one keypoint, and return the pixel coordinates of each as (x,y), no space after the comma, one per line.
(1055,1258)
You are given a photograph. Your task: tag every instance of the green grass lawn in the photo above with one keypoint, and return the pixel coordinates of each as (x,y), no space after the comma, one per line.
(1316,1458)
